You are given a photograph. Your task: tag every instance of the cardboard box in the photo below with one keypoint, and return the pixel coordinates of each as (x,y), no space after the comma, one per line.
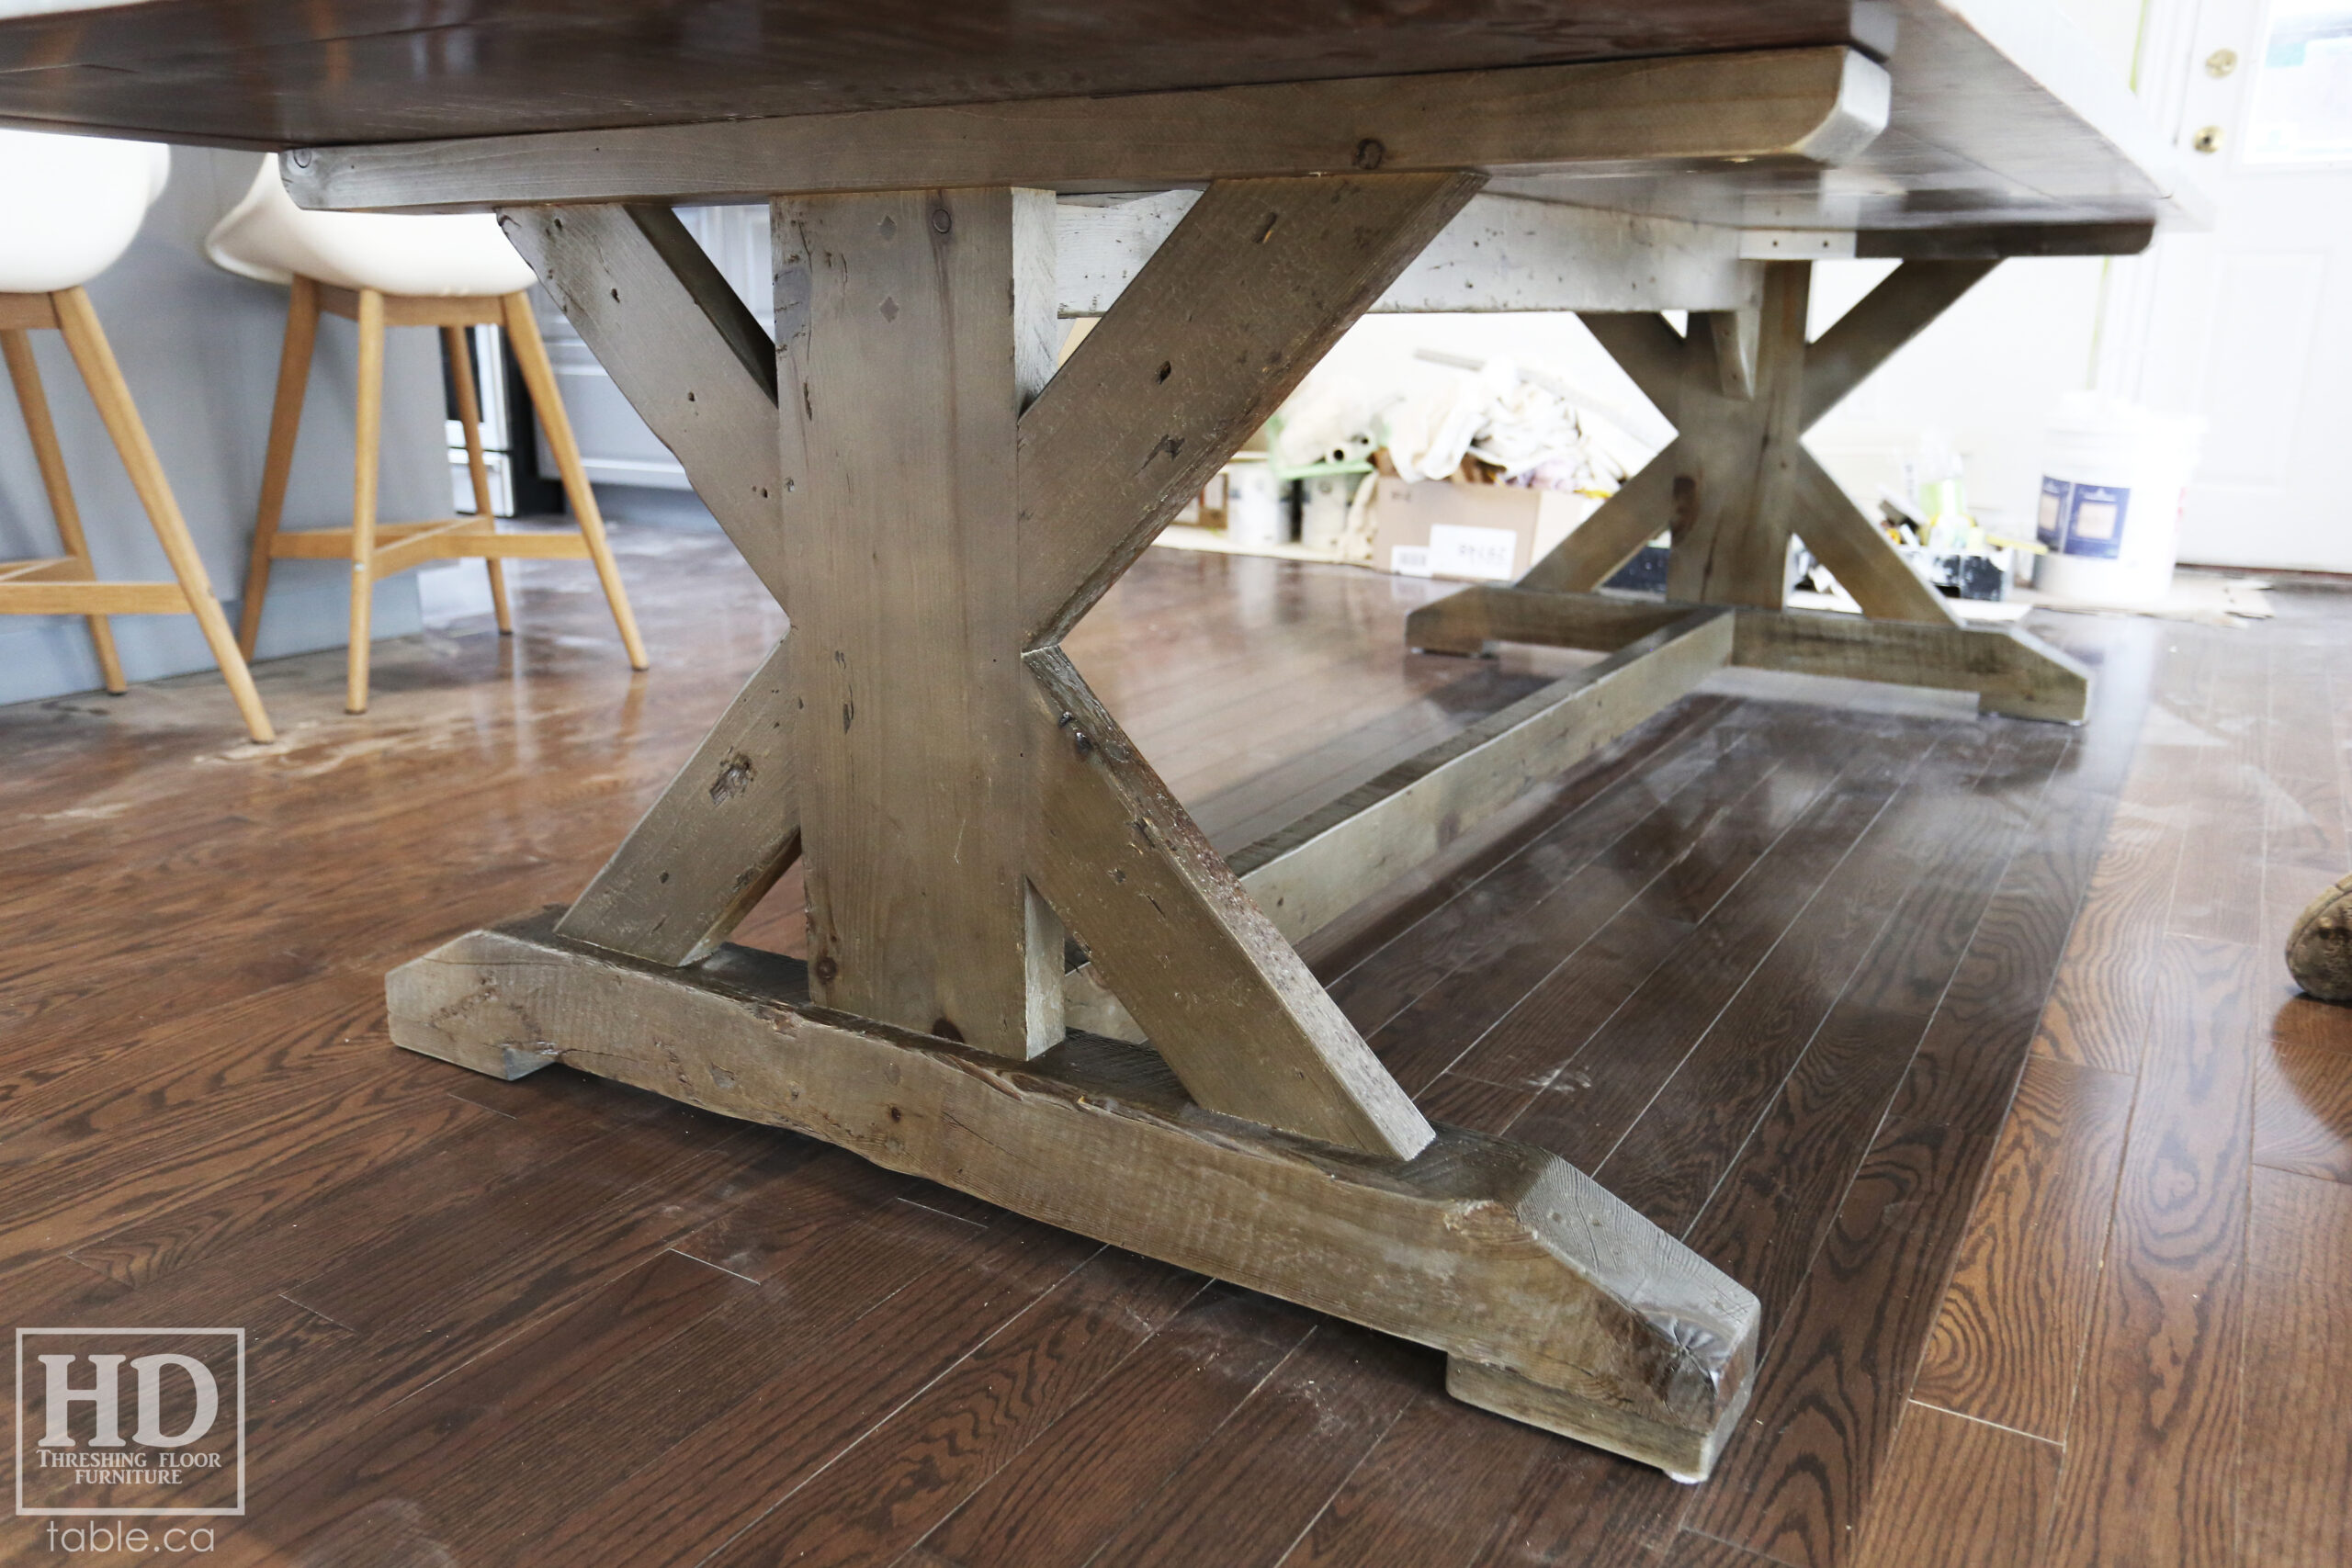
(1468,533)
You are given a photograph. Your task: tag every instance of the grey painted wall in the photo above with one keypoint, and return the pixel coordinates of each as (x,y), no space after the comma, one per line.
(199,350)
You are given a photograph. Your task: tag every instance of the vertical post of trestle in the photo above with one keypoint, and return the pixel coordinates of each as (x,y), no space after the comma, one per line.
(1734,487)
(910,325)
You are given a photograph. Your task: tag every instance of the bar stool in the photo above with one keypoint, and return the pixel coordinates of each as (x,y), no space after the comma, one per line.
(72,205)
(384,271)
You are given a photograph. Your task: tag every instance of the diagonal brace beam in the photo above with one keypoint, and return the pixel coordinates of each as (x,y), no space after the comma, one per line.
(1235,307)
(682,346)
(1227,1001)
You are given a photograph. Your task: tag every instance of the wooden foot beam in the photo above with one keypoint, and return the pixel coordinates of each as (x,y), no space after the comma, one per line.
(1553,1301)
(2012,672)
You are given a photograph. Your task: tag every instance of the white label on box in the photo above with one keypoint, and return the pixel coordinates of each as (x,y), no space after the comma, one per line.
(1409,561)
(1484,554)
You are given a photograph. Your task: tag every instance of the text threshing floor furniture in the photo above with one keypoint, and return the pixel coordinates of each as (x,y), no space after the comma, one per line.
(1000,888)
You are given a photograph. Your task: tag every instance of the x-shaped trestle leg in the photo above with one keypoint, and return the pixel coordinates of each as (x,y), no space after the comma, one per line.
(1736,481)
(936,505)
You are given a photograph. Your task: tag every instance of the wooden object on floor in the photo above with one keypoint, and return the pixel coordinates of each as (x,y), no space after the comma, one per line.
(2319,945)
(2011,671)
(1735,484)
(956,792)
(1554,1303)
(68,584)
(379,550)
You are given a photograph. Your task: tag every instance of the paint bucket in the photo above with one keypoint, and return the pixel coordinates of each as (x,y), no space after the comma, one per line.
(1323,510)
(2114,478)
(1255,512)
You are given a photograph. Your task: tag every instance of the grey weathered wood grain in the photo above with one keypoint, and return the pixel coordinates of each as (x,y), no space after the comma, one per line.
(713,844)
(900,348)
(1467,621)
(2012,672)
(1201,970)
(1617,531)
(1858,555)
(1800,107)
(1498,1253)
(1736,456)
(1316,869)
(683,349)
(1647,349)
(1234,309)
(1500,254)
(1883,321)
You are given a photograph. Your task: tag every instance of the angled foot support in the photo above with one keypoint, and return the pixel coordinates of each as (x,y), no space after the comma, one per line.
(2011,671)
(1553,1301)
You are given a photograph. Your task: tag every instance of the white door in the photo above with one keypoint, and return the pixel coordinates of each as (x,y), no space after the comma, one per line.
(2250,324)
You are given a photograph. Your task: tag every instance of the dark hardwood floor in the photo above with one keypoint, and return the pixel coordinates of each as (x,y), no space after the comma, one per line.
(2043,1284)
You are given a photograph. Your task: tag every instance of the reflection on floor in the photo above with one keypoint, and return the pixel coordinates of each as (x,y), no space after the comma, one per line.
(1773,969)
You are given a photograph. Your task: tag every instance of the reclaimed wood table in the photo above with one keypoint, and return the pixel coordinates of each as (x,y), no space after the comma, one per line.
(1030,976)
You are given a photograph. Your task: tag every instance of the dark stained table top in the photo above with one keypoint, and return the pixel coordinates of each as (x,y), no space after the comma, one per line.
(2000,114)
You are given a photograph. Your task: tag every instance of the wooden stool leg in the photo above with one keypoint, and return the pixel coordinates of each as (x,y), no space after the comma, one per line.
(95,359)
(538,375)
(285,421)
(26,377)
(461,376)
(363,493)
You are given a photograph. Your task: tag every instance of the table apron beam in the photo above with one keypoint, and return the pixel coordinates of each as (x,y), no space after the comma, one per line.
(1798,108)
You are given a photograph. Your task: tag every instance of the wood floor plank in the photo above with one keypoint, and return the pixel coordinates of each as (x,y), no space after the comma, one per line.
(2099,1009)
(2294,1471)
(1958,1493)
(1646,1039)
(1946,966)
(1245,1500)
(1380,987)
(715,1428)
(1724,823)
(912,1470)
(1161,1406)
(1433,1493)
(2303,1091)
(309,1490)
(2008,1342)
(1881,940)
(2154,1438)
(1795,1482)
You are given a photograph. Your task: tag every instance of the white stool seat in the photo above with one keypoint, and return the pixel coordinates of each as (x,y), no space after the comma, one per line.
(70,205)
(266,236)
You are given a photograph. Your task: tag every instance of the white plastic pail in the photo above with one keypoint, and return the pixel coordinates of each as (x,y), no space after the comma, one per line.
(1254,513)
(2114,476)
